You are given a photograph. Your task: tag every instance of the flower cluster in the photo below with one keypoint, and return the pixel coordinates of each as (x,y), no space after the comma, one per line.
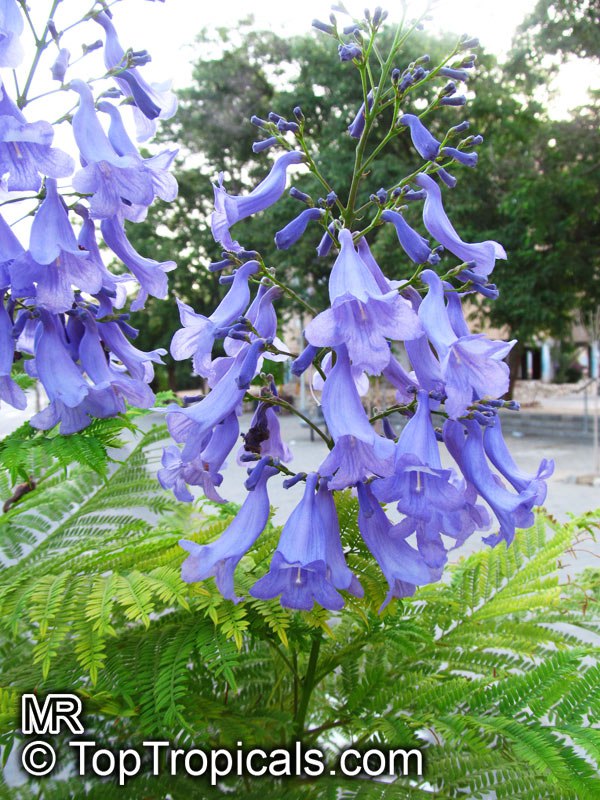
(446,381)
(61,308)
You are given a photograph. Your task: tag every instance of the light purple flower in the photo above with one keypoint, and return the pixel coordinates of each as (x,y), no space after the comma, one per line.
(10,392)
(11,28)
(294,230)
(426,145)
(357,126)
(361,316)
(219,559)
(230,209)
(483,254)
(414,245)
(299,570)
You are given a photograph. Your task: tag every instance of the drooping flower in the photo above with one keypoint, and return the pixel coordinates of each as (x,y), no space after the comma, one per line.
(404,567)
(361,316)
(230,209)
(219,559)
(433,500)
(357,126)
(359,451)
(482,254)
(299,570)
(198,334)
(289,235)
(11,28)
(471,366)
(426,145)
(464,441)
(414,245)
(25,149)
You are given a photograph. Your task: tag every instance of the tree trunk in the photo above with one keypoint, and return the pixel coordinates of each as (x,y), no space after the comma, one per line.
(514,366)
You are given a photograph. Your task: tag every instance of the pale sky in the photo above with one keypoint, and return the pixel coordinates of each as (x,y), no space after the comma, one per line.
(168,29)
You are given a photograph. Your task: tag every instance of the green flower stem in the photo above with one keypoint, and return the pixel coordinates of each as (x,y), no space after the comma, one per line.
(41,43)
(308,685)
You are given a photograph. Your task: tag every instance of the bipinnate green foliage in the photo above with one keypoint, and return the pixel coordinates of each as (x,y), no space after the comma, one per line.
(490,672)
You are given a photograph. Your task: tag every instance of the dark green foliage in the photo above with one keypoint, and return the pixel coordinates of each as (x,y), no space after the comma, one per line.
(93,601)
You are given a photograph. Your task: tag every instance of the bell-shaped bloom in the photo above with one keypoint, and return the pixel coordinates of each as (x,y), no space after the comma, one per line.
(229,209)
(61,377)
(414,245)
(25,149)
(204,469)
(338,571)
(137,362)
(191,425)
(472,365)
(198,334)
(361,316)
(10,392)
(220,558)
(499,454)
(359,451)
(115,182)
(426,145)
(435,219)
(264,435)
(153,100)
(295,229)
(464,441)
(150,273)
(433,500)
(357,126)
(299,570)
(262,318)
(403,566)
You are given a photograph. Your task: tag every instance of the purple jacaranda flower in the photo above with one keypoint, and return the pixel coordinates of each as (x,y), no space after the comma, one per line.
(156,168)
(499,454)
(482,254)
(426,145)
(219,559)
(137,362)
(433,500)
(191,425)
(471,366)
(414,245)
(264,435)
(347,52)
(198,334)
(304,360)
(11,28)
(10,249)
(361,316)
(153,100)
(60,65)
(115,182)
(25,149)
(404,567)
(466,159)
(113,293)
(289,235)
(367,257)
(299,570)
(229,209)
(338,572)
(361,379)
(150,273)
(464,441)
(357,126)
(359,451)
(10,392)
(204,469)
(446,178)
(454,74)
(326,243)
(262,318)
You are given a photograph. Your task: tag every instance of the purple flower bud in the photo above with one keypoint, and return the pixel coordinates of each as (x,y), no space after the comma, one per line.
(216,266)
(455,74)
(285,126)
(414,245)
(323,26)
(446,177)
(354,28)
(348,52)
(467,159)
(89,48)
(298,114)
(260,123)
(304,360)
(248,370)
(258,147)
(469,44)
(477,140)
(357,126)
(453,101)
(426,145)
(326,243)
(298,195)
(60,65)
(461,127)
(139,57)
(289,235)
